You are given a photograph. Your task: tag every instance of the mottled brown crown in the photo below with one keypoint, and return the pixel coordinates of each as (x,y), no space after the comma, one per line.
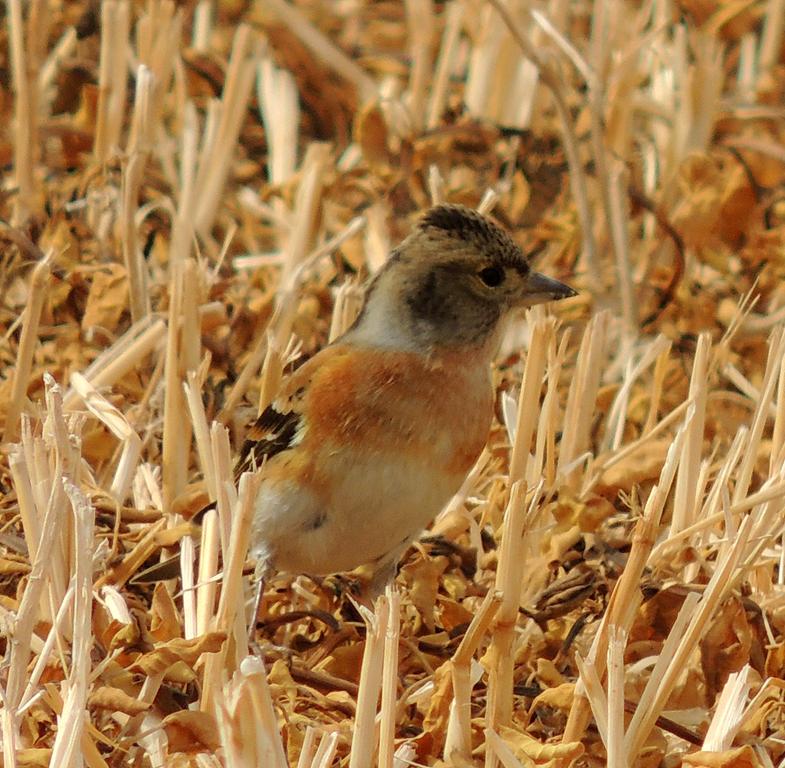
(467,226)
(449,285)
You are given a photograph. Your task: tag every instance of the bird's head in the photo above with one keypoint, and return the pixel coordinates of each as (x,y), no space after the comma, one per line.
(451,283)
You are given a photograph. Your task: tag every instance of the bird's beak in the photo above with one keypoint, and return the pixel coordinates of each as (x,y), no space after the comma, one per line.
(539,289)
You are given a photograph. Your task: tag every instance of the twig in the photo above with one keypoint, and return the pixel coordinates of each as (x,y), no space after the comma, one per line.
(444,63)
(420,22)
(508,584)
(577,178)
(323,48)
(458,741)
(529,399)
(112,78)
(685,498)
(625,597)
(643,722)
(39,283)
(24,63)
(219,147)
(389,698)
(370,683)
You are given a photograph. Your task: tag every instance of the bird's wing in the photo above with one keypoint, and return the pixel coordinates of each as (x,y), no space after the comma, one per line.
(275,431)
(281,425)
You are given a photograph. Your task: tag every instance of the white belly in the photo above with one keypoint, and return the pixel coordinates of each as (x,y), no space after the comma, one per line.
(378,505)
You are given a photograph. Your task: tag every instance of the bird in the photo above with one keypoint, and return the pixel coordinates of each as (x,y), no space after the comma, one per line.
(369,439)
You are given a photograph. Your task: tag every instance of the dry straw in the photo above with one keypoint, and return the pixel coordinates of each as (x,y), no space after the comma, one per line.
(239,228)
(39,281)
(26,43)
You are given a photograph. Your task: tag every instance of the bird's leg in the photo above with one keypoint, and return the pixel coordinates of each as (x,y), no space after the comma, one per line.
(366,582)
(382,572)
(260,574)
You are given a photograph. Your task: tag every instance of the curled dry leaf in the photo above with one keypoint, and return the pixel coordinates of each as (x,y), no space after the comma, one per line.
(560,697)
(13,567)
(548,674)
(586,513)
(118,634)
(191,501)
(438,712)
(727,645)
(345,661)
(371,133)
(640,466)
(563,594)
(705,146)
(281,682)
(165,656)
(453,614)
(716,201)
(108,298)
(191,731)
(423,575)
(658,613)
(116,700)
(164,616)
(529,750)
(33,758)
(741,757)
(775,660)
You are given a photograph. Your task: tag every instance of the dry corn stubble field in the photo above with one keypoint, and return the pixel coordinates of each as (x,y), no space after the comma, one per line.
(194,195)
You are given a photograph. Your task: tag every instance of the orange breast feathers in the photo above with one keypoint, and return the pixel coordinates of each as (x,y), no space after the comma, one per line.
(377,400)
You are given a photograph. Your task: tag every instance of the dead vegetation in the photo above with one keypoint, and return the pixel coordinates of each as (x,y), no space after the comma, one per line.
(197,192)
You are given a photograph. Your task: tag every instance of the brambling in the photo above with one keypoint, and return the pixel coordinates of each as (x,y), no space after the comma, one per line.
(370,438)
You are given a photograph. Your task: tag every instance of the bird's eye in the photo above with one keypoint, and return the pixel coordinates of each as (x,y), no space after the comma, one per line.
(492,276)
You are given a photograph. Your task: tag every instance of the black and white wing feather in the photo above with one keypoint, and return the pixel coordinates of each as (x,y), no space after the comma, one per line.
(279,428)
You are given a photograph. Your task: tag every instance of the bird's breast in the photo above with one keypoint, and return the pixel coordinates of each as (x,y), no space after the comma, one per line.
(389,439)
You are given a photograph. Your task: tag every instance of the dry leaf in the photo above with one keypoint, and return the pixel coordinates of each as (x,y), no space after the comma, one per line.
(98,444)
(717,201)
(115,700)
(33,758)
(527,749)
(725,648)
(170,536)
(370,132)
(12,567)
(587,513)
(741,757)
(281,682)
(191,731)
(561,697)
(119,634)
(713,221)
(775,660)
(423,576)
(345,661)
(641,465)
(658,614)
(452,614)
(164,616)
(168,654)
(108,298)
(438,712)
